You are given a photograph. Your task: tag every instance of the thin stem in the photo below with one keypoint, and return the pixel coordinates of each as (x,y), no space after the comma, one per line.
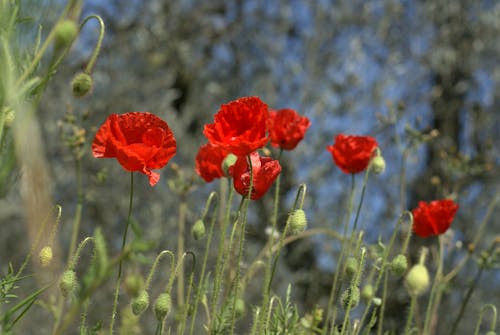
(383,265)
(382,307)
(97,49)
(155,265)
(221,257)
(354,285)
(271,265)
(493,319)
(79,206)
(334,289)
(199,289)
(363,189)
(180,249)
(435,290)
(242,240)
(124,240)
(410,314)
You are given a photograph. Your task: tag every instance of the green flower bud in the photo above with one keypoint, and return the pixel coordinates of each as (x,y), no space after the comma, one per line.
(228,162)
(296,221)
(198,230)
(378,164)
(81,85)
(163,305)
(140,303)
(399,265)
(45,256)
(68,282)
(367,293)
(65,33)
(239,307)
(351,266)
(417,280)
(377,301)
(350,296)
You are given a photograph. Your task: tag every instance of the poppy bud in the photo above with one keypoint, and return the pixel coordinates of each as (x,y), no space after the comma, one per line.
(367,293)
(45,256)
(81,85)
(297,221)
(378,164)
(198,229)
(65,33)
(228,162)
(417,280)
(350,296)
(68,282)
(141,303)
(351,267)
(239,307)
(377,301)
(163,305)
(399,265)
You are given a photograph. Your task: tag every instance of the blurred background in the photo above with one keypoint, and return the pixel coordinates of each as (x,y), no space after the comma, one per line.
(401,71)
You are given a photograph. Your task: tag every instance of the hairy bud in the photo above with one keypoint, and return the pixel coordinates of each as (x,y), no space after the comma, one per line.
(68,283)
(140,303)
(45,256)
(198,230)
(81,85)
(297,221)
(162,306)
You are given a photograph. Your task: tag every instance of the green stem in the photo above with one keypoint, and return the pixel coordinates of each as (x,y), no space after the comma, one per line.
(97,48)
(334,290)
(180,249)
(383,264)
(79,207)
(221,256)
(410,314)
(268,277)
(435,290)
(382,307)
(124,240)
(199,289)
(242,241)
(493,319)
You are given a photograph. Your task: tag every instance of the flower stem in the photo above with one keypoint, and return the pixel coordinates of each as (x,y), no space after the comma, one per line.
(334,289)
(180,250)
(124,240)
(221,256)
(410,314)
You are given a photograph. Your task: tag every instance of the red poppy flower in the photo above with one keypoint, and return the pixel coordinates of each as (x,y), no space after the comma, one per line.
(140,141)
(208,162)
(433,218)
(286,128)
(352,153)
(239,126)
(265,171)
